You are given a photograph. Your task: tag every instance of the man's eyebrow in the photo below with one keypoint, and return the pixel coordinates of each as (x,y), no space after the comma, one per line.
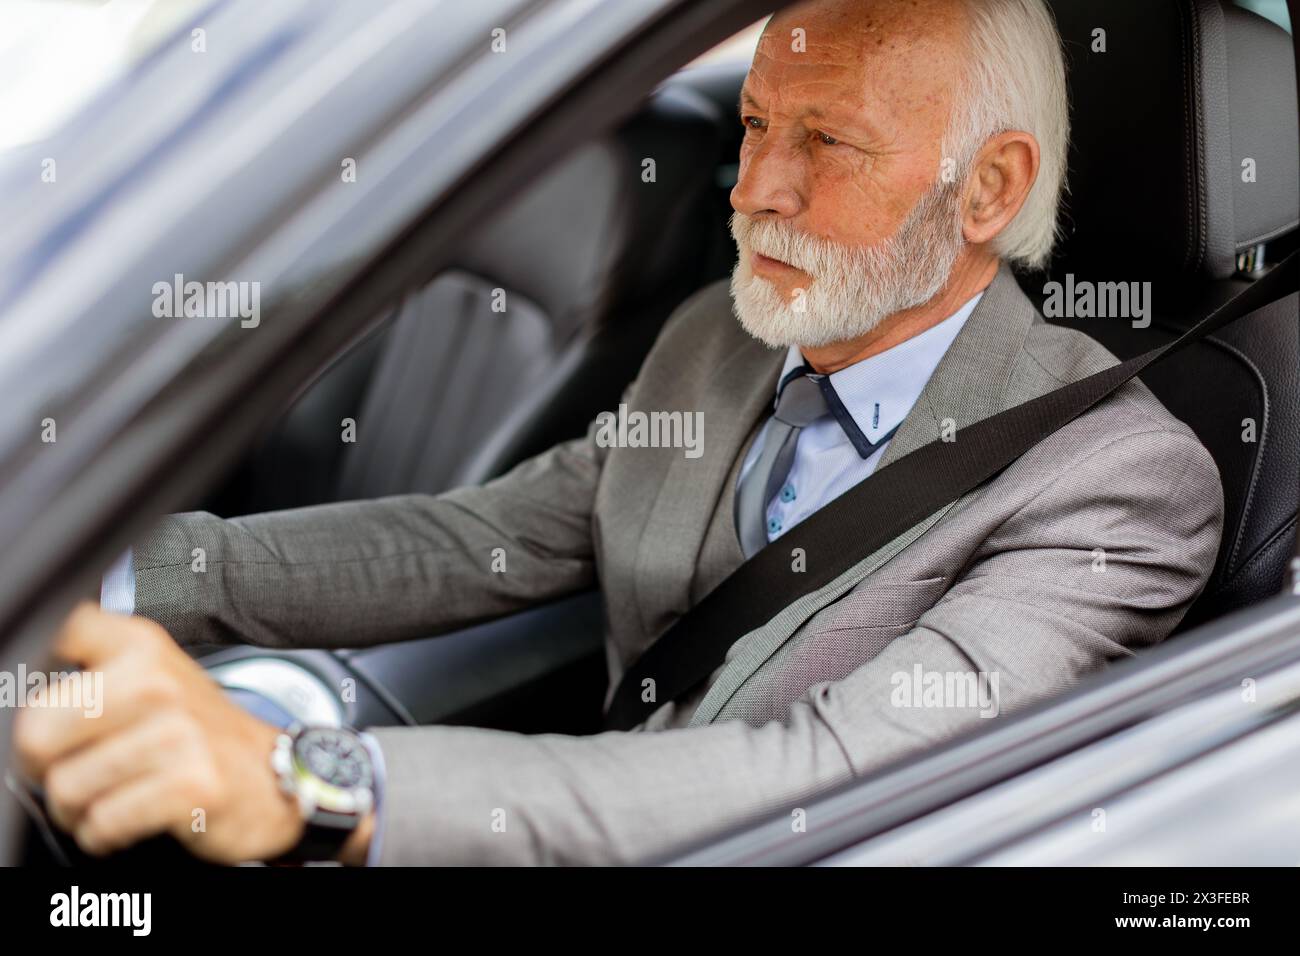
(856,121)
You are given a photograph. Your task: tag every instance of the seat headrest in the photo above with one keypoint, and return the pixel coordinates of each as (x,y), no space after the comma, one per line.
(1184,140)
(595,227)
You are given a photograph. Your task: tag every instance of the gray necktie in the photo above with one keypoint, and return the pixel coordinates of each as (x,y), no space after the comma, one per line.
(801,402)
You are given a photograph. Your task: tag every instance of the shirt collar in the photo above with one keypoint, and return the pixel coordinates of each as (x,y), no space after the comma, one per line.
(878,392)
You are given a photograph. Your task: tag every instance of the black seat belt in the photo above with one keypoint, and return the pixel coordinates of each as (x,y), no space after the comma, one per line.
(879,509)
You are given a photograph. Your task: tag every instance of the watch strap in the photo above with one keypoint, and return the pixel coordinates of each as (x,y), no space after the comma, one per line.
(320,842)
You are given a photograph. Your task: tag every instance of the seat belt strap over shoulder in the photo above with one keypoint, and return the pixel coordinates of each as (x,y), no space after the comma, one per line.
(880,508)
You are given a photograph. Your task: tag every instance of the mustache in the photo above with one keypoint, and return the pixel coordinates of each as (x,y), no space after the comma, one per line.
(819,258)
(779,240)
(776,238)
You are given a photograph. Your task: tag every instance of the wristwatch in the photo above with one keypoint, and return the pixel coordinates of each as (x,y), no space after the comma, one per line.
(329,772)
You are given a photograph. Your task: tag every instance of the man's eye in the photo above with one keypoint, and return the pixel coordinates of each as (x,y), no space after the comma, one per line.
(751,122)
(827,140)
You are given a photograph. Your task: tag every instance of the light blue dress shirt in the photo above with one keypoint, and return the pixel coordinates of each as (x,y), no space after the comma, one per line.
(877,392)
(117,590)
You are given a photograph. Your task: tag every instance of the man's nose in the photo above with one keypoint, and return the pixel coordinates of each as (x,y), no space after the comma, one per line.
(767,183)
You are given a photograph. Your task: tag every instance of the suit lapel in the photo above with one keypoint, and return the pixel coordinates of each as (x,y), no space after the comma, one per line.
(970,383)
(971,380)
(739,393)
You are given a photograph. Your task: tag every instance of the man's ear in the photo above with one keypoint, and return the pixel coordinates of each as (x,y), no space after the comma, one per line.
(1001,176)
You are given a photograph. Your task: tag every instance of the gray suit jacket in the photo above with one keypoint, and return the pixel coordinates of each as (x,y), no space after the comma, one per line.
(1090,546)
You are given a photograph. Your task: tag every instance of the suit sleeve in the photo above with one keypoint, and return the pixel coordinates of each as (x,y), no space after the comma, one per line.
(1070,581)
(368,572)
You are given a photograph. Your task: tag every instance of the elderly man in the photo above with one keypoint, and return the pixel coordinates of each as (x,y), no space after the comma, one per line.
(898,158)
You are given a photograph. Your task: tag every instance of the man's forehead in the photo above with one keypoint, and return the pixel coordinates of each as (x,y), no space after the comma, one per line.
(856,51)
(856,31)
(811,80)
(875,19)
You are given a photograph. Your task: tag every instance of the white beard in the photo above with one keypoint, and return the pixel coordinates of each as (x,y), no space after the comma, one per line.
(854,288)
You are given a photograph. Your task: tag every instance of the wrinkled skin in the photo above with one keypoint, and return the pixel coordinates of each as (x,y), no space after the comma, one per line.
(844,138)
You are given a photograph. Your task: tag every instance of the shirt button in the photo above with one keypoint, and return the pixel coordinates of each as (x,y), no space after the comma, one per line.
(773,526)
(787,493)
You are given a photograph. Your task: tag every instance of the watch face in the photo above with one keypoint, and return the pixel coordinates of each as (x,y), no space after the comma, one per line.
(336,757)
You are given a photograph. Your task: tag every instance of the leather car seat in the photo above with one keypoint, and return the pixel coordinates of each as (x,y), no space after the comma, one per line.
(1184,167)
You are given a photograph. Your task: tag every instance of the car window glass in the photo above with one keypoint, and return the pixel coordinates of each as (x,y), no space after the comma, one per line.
(56,55)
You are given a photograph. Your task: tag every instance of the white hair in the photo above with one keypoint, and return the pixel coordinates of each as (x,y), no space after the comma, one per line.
(1016,81)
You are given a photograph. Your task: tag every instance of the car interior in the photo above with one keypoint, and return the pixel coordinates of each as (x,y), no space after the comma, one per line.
(450,389)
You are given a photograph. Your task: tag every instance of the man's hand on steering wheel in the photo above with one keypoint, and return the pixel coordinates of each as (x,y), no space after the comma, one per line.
(167,752)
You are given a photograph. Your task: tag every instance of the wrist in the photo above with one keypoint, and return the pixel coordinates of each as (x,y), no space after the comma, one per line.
(285,825)
(357,848)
